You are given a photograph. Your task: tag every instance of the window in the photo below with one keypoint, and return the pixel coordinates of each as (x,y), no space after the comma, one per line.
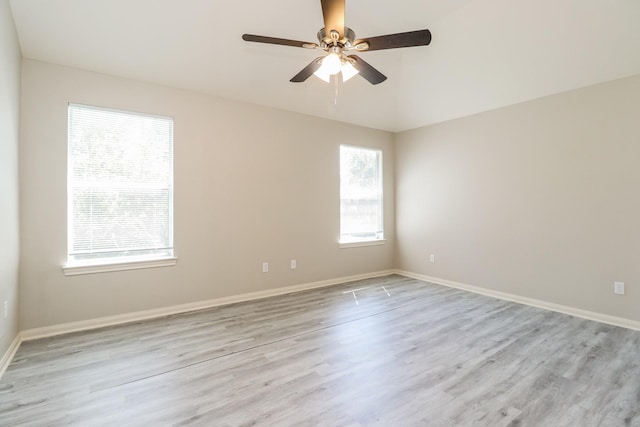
(360,195)
(120,186)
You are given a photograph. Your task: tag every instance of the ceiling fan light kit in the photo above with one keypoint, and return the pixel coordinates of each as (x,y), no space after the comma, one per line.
(337,40)
(333,64)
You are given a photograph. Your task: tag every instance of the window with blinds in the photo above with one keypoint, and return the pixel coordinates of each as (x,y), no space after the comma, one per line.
(360,194)
(120,186)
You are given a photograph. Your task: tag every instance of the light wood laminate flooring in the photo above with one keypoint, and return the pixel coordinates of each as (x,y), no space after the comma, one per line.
(396,352)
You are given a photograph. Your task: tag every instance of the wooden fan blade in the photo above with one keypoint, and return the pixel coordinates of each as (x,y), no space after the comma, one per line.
(307,71)
(372,75)
(333,12)
(275,40)
(394,41)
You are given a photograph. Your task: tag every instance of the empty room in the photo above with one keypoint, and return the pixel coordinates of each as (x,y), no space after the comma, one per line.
(321,212)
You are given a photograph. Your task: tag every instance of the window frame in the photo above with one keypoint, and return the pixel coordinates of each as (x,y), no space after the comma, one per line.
(380,238)
(119,263)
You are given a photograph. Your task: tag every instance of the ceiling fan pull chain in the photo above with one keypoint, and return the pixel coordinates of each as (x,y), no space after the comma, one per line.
(335,94)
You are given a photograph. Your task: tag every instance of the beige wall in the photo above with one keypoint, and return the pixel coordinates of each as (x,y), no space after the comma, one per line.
(540,199)
(9,125)
(252,184)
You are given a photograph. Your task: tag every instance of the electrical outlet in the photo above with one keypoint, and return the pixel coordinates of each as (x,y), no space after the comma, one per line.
(293,264)
(618,288)
(265,267)
(432,258)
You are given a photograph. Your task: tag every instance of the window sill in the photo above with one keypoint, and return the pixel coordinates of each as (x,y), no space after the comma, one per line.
(82,268)
(358,244)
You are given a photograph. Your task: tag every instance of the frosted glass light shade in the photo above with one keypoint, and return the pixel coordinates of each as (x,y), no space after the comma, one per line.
(331,65)
(348,71)
(322,74)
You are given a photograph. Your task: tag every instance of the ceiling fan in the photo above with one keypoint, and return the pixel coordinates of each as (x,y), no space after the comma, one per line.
(337,40)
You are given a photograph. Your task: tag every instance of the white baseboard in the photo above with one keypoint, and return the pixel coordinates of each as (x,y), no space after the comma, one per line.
(8,355)
(572,311)
(65,328)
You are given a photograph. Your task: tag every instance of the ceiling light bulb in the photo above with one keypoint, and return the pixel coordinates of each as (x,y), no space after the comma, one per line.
(348,71)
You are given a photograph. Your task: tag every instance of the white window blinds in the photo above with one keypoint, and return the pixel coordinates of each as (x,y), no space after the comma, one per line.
(360,194)
(120,185)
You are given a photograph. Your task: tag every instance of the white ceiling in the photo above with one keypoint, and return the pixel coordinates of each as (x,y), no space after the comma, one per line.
(485,54)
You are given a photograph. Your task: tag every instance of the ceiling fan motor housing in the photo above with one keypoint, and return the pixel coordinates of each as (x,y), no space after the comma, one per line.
(327,41)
